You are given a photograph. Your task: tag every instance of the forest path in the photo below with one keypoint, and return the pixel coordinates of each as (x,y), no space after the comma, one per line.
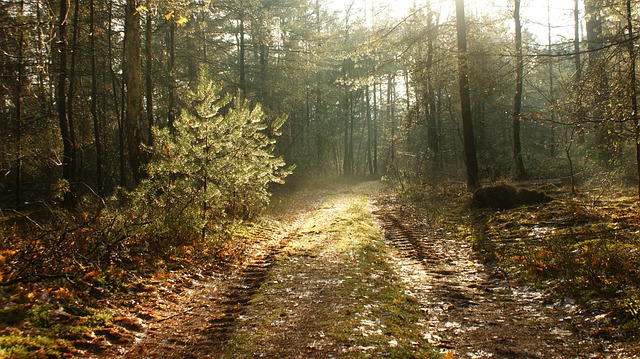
(354,272)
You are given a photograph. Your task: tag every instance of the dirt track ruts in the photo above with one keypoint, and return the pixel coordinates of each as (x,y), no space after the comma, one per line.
(471,309)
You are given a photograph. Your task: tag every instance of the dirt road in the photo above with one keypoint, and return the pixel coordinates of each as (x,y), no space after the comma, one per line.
(356,273)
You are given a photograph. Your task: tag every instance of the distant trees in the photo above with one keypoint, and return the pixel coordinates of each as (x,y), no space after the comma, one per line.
(363,94)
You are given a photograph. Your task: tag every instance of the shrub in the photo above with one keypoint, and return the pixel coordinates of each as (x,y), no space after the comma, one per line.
(213,167)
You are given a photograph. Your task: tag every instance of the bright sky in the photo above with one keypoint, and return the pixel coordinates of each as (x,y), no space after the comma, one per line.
(535,14)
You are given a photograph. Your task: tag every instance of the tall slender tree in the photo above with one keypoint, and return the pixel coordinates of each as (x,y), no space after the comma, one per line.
(133,83)
(518,164)
(94,97)
(633,89)
(471,161)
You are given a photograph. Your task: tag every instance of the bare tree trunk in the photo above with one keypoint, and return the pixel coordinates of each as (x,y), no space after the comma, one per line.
(471,161)
(172,74)
(576,41)
(369,130)
(431,113)
(149,74)
(633,91)
(375,129)
(519,170)
(133,82)
(552,95)
(18,112)
(242,51)
(597,70)
(61,100)
(392,117)
(71,96)
(346,117)
(94,95)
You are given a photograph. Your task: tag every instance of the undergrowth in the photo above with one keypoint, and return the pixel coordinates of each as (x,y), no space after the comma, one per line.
(582,248)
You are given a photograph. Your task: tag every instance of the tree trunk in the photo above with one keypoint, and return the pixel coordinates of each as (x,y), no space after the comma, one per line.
(471,162)
(369,130)
(242,52)
(392,117)
(133,82)
(18,112)
(61,100)
(172,74)
(597,70)
(149,74)
(519,170)
(375,129)
(71,96)
(94,94)
(346,165)
(576,41)
(633,90)
(431,113)
(552,100)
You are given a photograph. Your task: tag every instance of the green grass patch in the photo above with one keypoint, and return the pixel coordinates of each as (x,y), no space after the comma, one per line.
(18,346)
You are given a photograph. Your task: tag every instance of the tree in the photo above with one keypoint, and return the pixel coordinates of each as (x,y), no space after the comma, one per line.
(519,170)
(216,165)
(94,97)
(633,89)
(471,162)
(61,103)
(133,81)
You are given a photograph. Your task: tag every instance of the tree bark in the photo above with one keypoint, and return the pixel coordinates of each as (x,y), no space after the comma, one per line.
(375,128)
(597,70)
(94,99)
(431,113)
(369,130)
(18,113)
(519,170)
(633,90)
(133,83)
(149,74)
(71,97)
(471,162)
(61,100)
(242,52)
(172,74)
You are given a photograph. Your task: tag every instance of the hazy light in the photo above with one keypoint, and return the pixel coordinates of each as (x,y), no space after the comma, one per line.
(536,15)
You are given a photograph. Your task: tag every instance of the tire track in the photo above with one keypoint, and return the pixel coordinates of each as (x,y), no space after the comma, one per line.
(470,308)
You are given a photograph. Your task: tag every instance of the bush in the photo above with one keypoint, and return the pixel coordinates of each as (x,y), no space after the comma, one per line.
(215,166)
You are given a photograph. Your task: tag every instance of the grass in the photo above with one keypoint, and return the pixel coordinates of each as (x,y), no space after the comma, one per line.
(46,330)
(17,346)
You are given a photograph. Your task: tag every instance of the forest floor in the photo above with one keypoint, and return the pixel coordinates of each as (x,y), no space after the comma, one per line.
(350,270)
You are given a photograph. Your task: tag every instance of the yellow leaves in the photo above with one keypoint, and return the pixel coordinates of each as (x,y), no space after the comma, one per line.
(181,20)
(141,8)
(449,355)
